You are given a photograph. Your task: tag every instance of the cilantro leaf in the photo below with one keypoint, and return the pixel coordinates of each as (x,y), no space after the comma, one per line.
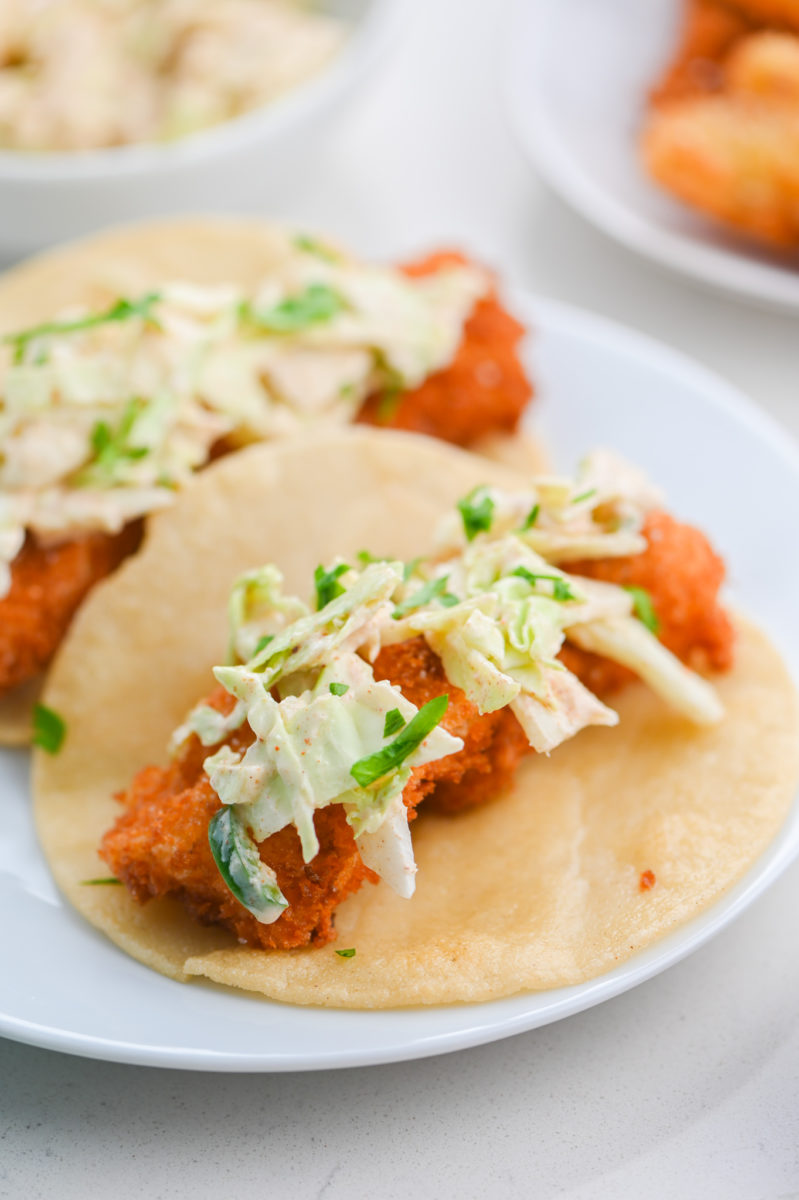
(339,689)
(317,304)
(310,245)
(239,862)
(435,589)
(477,514)
(374,766)
(49,729)
(327,583)
(394,722)
(643,607)
(560,587)
(531,518)
(350,953)
(121,310)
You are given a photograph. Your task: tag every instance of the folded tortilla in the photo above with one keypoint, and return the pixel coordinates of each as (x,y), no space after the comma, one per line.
(131,260)
(539,889)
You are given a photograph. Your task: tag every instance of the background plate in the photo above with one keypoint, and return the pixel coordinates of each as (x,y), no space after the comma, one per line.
(723,463)
(579,73)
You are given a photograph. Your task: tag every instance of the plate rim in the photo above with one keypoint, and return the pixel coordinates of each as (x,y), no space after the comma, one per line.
(720,270)
(506,1017)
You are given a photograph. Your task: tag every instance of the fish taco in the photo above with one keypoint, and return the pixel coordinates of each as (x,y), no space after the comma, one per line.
(131,360)
(309,749)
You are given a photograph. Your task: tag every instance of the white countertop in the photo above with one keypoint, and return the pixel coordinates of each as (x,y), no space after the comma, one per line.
(688,1085)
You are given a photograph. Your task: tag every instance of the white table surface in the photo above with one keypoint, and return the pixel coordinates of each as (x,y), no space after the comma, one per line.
(685,1087)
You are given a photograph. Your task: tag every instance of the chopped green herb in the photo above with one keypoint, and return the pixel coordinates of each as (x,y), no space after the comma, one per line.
(531,518)
(477,514)
(447,599)
(262,643)
(394,722)
(374,766)
(643,607)
(327,583)
(433,590)
(583,496)
(311,246)
(339,689)
(111,446)
(346,953)
(560,587)
(410,567)
(121,310)
(49,729)
(109,879)
(393,387)
(239,862)
(317,304)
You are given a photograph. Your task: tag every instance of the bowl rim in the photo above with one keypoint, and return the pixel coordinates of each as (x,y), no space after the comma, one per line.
(371,35)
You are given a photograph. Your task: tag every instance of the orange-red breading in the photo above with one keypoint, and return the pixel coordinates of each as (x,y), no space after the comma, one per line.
(484,390)
(159,844)
(683,574)
(159,847)
(47,585)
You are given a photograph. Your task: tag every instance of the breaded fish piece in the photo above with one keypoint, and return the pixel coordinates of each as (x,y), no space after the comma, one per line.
(159,845)
(48,583)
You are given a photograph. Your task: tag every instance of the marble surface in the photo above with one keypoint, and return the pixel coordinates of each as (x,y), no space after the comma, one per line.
(686,1086)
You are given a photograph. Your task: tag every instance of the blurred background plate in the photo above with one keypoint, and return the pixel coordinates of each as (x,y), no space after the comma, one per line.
(65,987)
(241,165)
(579,73)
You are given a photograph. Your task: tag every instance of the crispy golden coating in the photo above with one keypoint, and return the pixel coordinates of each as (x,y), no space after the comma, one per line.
(159,847)
(484,390)
(47,586)
(683,575)
(159,844)
(723,135)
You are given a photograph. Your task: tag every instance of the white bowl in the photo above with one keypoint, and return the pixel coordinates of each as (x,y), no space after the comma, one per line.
(235,166)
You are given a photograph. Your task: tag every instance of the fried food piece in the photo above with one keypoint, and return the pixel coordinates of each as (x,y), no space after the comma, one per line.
(47,585)
(710,30)
(484,390)
(732,159)
(682,574)
(765,66)
(159,845)
(724,133)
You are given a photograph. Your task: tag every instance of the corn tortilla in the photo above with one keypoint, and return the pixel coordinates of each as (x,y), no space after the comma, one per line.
(95,271)
(537,890)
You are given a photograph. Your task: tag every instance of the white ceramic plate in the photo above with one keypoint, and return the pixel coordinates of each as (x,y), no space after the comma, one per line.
(579,72)
(63,986)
